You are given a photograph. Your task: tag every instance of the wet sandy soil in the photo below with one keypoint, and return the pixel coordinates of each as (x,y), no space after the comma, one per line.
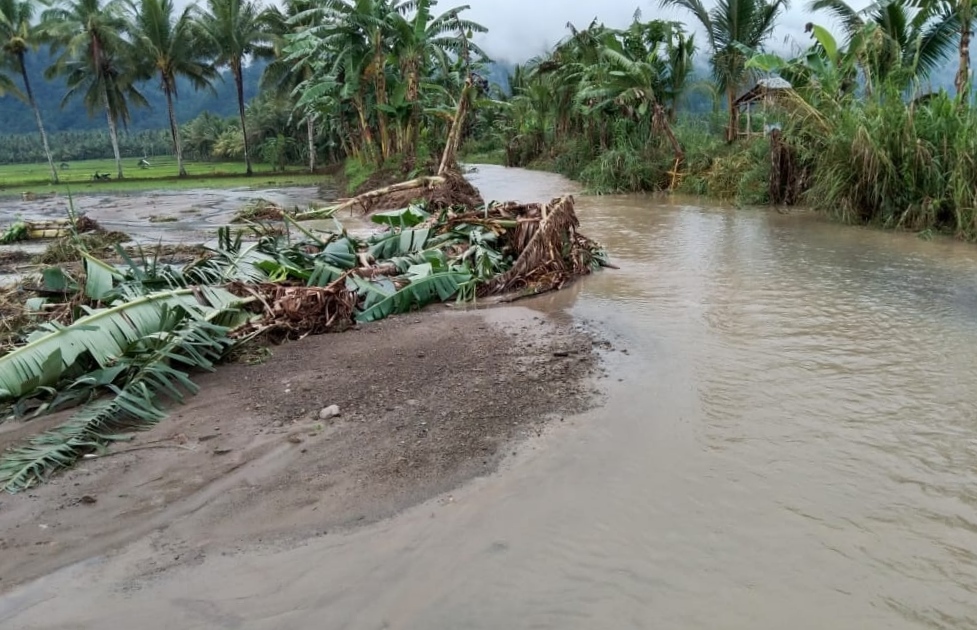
(426,402)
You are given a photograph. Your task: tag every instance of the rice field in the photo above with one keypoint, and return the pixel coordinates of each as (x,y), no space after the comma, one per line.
(77,177)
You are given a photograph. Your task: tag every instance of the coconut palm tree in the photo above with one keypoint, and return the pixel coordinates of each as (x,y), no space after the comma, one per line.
(897,35)
(165,45)
(287,73)
(963,13)
(957,16)
(95,59)
(233,31)
(733,28)
(19,33)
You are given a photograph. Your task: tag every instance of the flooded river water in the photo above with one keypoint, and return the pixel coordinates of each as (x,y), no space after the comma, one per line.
(790,441)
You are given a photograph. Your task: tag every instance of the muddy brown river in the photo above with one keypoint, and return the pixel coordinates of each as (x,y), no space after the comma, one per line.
(790,441)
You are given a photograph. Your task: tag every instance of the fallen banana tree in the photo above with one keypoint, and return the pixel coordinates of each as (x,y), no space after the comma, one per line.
(120,342)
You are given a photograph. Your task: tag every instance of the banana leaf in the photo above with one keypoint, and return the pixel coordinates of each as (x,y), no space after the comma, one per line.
(103,336)
(425,287)
(340,253)
(56,280)
(100,277)
(323,274)
(399,243)
(242,264)
(181,337)
(406,218)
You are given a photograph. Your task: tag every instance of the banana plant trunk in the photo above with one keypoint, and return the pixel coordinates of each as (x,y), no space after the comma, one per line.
(962,81)
(174,130)
(239,82)
(454,135)
(413,122)
(37,117)
(367,134)
(310,132)
(380,84)
(660,122)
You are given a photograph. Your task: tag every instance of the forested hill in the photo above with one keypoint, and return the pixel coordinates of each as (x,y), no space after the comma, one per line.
(17,116)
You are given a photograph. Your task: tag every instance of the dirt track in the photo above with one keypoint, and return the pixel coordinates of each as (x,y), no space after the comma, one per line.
(427,402)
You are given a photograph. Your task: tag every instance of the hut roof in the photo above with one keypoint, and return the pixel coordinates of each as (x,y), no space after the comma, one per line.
(763,88)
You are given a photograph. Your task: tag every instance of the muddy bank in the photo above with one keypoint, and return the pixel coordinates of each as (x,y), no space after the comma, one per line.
(426,402)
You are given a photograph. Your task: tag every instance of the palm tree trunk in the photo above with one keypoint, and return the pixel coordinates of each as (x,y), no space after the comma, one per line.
(239,83)
(37,117)
(114,135)
(734,115)
(963,72)
(310,132)
(174,130)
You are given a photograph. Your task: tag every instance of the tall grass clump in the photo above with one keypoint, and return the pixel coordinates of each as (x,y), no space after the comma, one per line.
(620,171)
(898,163)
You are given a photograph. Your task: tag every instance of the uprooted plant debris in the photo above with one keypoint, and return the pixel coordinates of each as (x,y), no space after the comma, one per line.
(118,341)
(259,210)
(13,257)
(447,190)
(48,228)
(69,248)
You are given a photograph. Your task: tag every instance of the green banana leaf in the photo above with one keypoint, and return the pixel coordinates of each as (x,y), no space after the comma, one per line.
(100,277)
(406,218)
(399,243)
(104,336)
(425,287)
(323,274)
(180,337)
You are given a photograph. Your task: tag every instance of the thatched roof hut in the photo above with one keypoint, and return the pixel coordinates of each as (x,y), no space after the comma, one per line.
(765,90)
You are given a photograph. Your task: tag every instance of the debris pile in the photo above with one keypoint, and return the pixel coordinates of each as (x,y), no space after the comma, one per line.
(119,341)
(438,192)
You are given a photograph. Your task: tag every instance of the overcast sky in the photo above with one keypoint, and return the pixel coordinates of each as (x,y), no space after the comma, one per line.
(520,29)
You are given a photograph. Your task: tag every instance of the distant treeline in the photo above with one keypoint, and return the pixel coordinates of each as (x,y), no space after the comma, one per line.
(17,117)
(83,145)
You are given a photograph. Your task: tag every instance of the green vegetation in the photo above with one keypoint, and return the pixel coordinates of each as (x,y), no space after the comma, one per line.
(844,127)
(382,80)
